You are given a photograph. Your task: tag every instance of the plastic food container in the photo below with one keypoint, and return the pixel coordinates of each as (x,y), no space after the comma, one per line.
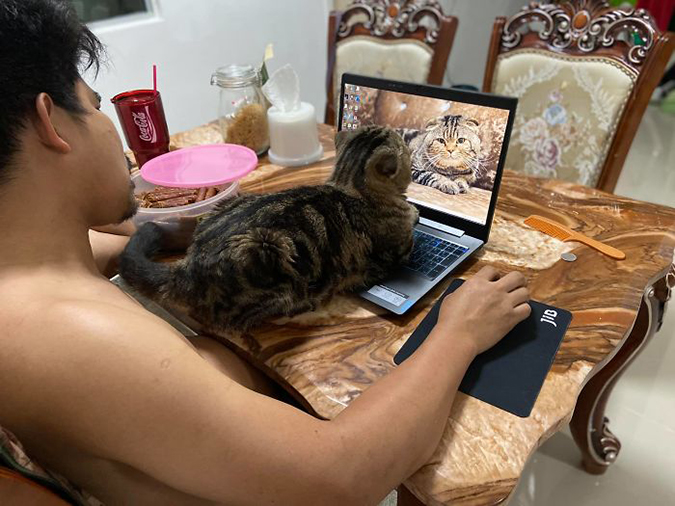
(173,215)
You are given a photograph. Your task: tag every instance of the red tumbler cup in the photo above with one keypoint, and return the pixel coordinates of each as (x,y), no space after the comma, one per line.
(142,117)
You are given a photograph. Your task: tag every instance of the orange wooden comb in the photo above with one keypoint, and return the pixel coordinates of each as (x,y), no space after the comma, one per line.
(550,227)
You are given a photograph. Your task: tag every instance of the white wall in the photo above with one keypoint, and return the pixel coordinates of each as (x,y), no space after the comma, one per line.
(189,39)
(469,52)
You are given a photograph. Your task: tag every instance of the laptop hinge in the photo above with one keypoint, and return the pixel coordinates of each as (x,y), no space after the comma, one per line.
(445,228)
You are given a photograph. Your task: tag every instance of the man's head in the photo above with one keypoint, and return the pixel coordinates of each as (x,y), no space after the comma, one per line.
(53,135)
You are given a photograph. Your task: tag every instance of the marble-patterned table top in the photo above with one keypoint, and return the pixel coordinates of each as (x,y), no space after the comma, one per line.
(328,357)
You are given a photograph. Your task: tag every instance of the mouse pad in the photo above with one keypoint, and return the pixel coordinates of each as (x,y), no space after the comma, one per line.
(509,375)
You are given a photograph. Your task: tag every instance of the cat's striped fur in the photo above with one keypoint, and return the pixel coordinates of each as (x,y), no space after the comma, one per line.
(259,257)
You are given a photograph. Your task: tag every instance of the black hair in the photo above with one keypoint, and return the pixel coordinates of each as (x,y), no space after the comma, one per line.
(43,48)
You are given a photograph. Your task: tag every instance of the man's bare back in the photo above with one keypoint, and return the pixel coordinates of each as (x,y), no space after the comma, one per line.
(41,317)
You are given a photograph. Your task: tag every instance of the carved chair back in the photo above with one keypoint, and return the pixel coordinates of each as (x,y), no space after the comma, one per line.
(584,73)
(407,40)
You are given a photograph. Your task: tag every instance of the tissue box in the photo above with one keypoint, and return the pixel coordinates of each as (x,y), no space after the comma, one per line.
(294,138)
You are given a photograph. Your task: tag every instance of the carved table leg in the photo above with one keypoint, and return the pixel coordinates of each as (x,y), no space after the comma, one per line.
(599,446)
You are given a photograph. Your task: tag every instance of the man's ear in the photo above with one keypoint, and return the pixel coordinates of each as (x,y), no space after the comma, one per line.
(44,126)
(383,161)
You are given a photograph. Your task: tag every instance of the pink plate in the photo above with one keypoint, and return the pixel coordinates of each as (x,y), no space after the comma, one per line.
(200,166)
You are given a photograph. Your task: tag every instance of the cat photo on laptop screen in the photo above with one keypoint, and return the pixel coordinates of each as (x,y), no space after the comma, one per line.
(455,146)
(458,142)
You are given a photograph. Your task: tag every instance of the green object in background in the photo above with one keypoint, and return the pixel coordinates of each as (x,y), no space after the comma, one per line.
(264,74)
(668,104)
(269,54)
(639,41)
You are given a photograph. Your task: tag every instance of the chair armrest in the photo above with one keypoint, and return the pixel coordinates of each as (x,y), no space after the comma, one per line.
(15,490)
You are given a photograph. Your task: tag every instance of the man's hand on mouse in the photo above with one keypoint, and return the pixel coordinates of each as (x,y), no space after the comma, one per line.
(485,308)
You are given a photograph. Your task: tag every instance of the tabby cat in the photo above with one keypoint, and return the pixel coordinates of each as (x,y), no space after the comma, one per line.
(446,154)
(257,257)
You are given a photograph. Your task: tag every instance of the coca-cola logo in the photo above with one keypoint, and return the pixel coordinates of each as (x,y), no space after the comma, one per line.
(145,127)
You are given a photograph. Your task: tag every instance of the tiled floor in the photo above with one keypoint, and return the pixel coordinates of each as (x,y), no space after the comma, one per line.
(642,406)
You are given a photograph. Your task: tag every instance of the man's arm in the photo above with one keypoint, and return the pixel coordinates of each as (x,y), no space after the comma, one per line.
(145,398)
(126,228)
(108,242)
(402,417)
(106,249)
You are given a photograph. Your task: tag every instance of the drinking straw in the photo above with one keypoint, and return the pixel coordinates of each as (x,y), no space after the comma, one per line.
(154,77)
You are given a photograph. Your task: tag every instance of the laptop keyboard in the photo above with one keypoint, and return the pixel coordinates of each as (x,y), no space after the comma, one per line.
(431,255)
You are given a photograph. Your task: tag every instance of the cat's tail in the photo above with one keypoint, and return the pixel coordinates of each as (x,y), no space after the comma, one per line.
(150,278)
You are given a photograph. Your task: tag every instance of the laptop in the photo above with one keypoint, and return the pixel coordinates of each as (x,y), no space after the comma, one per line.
(459,140)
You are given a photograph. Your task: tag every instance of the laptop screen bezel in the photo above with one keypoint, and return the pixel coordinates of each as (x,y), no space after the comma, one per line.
(471,228)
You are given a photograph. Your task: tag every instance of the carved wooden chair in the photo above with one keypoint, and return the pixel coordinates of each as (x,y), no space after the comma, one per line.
(407,40)
(15,490)
(24,481)
(584,73)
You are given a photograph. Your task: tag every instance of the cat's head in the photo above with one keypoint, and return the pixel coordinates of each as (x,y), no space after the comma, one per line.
(452,145)
(372,159)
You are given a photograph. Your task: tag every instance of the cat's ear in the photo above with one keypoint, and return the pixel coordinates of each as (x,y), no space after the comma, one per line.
(383,161)
(342,138)
(435,122)
(472,122)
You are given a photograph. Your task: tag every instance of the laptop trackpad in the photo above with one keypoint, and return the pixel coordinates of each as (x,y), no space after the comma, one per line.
(403,285)
(388,294)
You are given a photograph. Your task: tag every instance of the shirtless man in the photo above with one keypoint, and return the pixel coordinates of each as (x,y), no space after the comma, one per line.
(113,398)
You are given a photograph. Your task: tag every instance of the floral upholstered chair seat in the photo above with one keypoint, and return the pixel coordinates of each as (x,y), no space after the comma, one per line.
(568,111)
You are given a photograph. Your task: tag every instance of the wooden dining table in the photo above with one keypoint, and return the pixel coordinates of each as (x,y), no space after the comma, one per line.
(328,357)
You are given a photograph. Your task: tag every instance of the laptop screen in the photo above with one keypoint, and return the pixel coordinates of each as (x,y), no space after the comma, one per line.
(455,146)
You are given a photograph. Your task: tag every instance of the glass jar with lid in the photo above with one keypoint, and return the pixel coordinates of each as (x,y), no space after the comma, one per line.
(243,107)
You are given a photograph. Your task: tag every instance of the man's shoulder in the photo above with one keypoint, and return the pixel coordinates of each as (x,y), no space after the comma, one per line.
(55,329)
(102,317)
(76,313)
(57,346)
